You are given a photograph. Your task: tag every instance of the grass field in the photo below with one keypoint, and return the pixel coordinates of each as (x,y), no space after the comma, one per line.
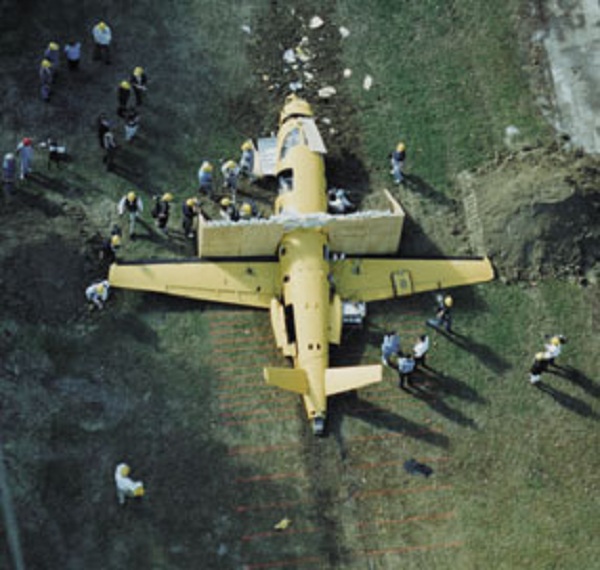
(175,387)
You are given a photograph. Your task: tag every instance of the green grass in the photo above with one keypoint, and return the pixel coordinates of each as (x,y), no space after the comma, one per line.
(448,81)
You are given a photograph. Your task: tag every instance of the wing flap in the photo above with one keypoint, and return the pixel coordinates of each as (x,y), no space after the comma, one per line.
(251,284)
(379,279)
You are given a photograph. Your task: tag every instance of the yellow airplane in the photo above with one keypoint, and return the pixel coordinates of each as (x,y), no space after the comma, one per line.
(312,270)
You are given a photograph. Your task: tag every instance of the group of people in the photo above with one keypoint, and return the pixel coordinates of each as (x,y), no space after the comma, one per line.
(405,363)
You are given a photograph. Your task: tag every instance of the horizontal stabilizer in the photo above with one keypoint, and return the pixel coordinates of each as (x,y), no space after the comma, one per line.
(348,378)
(291,379)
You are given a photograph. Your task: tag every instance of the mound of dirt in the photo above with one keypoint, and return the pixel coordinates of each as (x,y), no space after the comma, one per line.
(537,214)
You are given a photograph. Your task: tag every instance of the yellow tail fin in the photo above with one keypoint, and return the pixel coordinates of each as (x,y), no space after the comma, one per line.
(292,379)
(348,378)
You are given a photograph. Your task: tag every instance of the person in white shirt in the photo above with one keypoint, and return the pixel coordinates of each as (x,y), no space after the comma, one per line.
(97,294)
(127,487)
(102,38)
(73,53)
(420,350)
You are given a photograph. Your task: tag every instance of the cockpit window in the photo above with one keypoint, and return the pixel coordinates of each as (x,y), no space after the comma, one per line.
(292,139)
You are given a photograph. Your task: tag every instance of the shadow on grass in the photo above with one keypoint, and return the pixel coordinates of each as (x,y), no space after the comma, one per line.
(569,402)
(442,383)
(577,378)
(351,405)
(484,353)
(419,186)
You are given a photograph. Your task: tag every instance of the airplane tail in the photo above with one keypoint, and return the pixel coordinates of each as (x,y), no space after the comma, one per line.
(291,379)
(337,380)
(346,378)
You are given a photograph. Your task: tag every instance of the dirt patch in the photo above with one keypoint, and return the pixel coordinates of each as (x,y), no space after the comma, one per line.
(537,213)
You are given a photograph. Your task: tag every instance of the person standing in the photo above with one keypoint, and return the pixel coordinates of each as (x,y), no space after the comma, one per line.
(73,53)
(420,350)
(52,54)
(205,178)
(161,211)
(553,348)
(230,171)
(110,246)
(390,347)
(189,210)
(123,94)
(9,173)
(247,160)
(25,153)
(102,35)
(46,78)
(443,314)
(133,206)
(132,123)
(127,487)
(110,149)
(103,125)
(539,366)
(397,160)
(138,81)
(406,366)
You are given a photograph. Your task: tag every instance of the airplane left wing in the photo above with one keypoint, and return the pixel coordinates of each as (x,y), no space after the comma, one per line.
(248,283)
(359,279)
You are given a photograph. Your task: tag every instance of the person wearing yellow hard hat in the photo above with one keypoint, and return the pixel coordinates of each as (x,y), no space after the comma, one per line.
(110,246)
(123,95)
(246,211)
(397,159)
(228,209)
(189,210)
(52,54)
(205,178)
(247,160)
(161,211)
(230,172)
(97,294)
(443,314)
(553,347)
(132,205)
(138,82)
(102,38)
(127,487)
(46,73)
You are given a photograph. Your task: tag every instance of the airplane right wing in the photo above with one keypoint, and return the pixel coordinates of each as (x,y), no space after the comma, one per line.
(360,279)
(248,283)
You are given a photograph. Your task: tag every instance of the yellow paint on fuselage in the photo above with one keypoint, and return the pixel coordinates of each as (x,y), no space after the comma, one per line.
(305,288)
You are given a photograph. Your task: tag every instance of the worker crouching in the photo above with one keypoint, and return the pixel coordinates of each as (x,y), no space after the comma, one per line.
(127,487)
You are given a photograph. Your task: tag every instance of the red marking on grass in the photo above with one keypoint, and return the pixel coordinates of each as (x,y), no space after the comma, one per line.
(256,449)
(254,412)
(388,522)
(389,491)
(396,463)
(268,506)
(271,534)
(394,435)
(276,418)
(406,549)
(285,563)
(270,477)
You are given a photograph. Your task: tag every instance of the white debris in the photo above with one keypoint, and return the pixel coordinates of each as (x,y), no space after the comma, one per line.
(247,29)
(302,54)
(344,32)
(367,82)
(296,86)
(315,23)
(326,92)
(308,75)
(512,131)
(265,77)
(347,73)
(326,120)
(289,56)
